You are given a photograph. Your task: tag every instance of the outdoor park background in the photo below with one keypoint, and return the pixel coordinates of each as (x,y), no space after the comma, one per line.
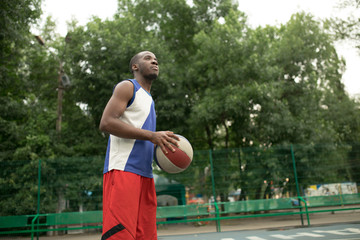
(247,95)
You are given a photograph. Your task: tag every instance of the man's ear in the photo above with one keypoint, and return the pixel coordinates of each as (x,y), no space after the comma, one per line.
(134,67)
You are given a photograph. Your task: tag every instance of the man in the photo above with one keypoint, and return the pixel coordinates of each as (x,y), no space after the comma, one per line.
(129,197)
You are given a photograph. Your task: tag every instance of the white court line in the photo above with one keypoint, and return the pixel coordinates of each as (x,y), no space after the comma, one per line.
(297,235)
(255,238)
(347,239)
(281,236)
(314,235)
(355,230)
(348,231)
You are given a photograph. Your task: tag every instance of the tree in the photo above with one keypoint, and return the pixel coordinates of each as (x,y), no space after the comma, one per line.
(267,87)
(349,28)
(15,105)
(15,21)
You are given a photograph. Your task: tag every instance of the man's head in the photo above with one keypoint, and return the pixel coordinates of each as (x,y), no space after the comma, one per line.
(144,64)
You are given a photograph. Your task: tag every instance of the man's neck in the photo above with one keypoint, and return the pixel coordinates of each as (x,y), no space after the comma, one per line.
(144,83)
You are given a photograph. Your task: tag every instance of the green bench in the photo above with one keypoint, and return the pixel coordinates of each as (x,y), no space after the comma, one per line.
(260,205)
(72,218)
(226,207)
(22,221)
(334,200)
(50,222)
(182,211)
(334,203)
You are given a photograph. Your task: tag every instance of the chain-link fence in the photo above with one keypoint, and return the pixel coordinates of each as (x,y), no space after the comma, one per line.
(227,175)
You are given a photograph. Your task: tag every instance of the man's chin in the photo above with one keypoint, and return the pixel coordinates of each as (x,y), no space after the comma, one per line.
(151,77)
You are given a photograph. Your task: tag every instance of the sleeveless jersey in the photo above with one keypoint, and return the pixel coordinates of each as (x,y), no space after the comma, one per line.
(132,155)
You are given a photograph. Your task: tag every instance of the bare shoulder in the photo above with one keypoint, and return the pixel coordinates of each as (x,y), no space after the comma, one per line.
(124,90)
(124,86)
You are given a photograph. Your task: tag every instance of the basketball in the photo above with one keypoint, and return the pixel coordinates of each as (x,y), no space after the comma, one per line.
(175,162)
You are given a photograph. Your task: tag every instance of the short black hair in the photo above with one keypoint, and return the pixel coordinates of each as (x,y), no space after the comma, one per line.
(134,60)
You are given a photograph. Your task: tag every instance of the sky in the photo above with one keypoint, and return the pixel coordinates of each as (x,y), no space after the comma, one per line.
(259,12)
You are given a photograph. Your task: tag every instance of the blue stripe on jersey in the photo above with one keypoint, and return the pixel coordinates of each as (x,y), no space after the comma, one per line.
(141,147)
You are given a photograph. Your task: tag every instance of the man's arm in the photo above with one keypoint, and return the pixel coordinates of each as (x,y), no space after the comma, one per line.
(111,123)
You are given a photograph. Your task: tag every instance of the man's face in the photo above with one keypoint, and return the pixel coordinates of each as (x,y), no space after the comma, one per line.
(148,65)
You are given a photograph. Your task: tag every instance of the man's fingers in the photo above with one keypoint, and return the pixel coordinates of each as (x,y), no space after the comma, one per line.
(168,141)
(173,138)
(169,145)
(163,148)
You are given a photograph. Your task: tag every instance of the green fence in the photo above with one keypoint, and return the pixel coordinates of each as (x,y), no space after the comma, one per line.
(219,184)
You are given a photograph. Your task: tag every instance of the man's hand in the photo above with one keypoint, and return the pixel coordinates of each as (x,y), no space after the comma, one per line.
(165,139)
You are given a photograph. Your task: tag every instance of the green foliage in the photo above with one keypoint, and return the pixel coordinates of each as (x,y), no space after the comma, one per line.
(15,20)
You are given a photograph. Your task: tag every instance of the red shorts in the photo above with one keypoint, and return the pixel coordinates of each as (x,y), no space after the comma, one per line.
(129,206)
